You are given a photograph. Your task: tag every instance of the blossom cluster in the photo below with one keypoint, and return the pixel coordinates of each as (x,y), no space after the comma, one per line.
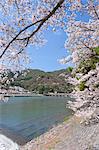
(83,42)
(87,100)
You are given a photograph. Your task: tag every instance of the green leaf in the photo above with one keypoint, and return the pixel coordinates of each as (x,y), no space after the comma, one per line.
(82,86)
(96,49)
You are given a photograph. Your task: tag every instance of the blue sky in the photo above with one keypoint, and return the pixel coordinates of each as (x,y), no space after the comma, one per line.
(45,57)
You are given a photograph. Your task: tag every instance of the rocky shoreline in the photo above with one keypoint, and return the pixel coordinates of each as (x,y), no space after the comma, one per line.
(70,135)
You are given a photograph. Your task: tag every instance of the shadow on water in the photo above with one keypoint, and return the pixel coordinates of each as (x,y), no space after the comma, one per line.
(39,118)
(10,133)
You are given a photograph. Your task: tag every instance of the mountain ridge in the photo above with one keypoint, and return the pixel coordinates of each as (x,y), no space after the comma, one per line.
(41,82)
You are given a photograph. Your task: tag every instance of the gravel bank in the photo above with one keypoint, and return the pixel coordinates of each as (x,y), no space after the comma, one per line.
(70,135)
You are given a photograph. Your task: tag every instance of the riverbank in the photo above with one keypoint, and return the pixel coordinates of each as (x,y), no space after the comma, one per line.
(21,95)
(33,95)
(70,135)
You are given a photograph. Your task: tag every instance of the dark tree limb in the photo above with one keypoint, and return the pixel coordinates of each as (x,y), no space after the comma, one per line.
(17,36)
(96,12)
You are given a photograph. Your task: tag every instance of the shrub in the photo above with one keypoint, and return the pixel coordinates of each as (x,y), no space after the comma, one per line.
(96,49)
(69,69)
(87,65)
(82,86)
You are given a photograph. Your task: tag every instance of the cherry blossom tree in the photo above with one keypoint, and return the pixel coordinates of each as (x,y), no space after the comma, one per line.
(83,42)
(23,23)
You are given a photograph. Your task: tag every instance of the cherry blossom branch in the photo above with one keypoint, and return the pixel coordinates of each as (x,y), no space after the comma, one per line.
(41,24)
(41,21)
(17,5)
(85,28)
(18,35)
(95,12)
(2,6)
(87,46)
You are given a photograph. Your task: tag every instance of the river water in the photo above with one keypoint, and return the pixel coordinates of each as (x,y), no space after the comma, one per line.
(32,116)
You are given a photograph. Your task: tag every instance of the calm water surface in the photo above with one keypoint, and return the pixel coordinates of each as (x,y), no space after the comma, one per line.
(32,116)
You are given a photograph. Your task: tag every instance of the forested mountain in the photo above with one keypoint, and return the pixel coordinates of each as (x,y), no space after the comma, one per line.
(44,82)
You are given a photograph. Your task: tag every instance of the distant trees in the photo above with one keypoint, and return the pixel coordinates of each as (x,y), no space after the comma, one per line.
(44,89)
(43,82)
(53,89)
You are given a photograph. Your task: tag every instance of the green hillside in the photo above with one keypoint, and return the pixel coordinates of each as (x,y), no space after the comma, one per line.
(44,82)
